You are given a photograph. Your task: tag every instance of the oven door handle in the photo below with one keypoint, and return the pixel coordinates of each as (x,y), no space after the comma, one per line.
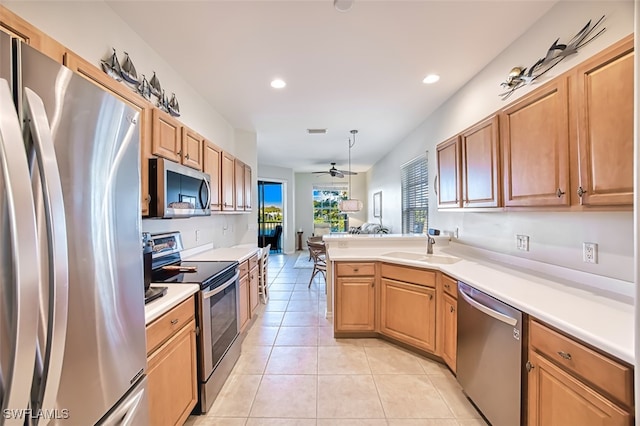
(221,288)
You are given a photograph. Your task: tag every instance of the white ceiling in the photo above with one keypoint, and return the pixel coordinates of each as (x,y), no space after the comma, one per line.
(361,69)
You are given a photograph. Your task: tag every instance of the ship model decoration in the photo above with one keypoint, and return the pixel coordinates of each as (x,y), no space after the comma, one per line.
(146,88)
(521,76)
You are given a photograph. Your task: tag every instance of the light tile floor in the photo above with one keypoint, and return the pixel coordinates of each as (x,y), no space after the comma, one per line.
(293,372)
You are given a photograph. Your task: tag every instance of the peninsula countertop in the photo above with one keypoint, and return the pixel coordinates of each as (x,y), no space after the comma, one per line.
(601,314)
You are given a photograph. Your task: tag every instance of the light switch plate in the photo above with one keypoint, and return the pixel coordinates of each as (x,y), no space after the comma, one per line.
(522,242)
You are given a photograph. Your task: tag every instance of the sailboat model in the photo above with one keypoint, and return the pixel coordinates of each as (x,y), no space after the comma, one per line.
(144,89)
(128,71)
(154,84)
(174,106)
(111,66)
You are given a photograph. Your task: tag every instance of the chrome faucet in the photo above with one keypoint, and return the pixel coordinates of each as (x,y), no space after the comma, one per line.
(430,243)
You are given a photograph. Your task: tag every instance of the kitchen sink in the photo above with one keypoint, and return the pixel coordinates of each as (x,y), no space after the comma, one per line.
(427,258)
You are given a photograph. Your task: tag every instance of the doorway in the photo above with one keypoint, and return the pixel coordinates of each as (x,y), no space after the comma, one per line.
(270,214)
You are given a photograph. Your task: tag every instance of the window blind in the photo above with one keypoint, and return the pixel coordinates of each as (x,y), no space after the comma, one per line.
(415,195)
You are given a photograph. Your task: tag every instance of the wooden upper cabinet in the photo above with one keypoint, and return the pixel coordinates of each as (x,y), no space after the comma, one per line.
(213,165)
(192,149)
(15,26)
(228,181)
(167,136)
(239,184)
(448,159)
(480,164)
(100,79)
(604,96)
(247,187)
(535,148)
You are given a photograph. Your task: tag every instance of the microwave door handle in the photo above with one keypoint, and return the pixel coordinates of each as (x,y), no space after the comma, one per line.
(221,288)
(58,279)
(204,205)
(17,378)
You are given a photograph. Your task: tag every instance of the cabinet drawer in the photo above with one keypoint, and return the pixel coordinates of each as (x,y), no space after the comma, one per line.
(253,261)
(244,268)
(610,376)
(450,286)
(409,275)
(164,327)
(355,269)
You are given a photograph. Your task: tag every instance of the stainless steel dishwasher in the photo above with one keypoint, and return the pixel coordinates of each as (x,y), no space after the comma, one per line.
(489,363)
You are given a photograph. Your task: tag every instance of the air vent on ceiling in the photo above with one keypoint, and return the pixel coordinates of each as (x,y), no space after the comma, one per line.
(316,131)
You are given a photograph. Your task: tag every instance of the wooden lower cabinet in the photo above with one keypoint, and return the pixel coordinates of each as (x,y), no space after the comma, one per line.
(243,307)
(558,398)
(172,384)
(449,324)
(408,313)
(355,304)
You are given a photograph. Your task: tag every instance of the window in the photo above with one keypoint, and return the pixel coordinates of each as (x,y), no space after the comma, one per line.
(415,195)
(327,217)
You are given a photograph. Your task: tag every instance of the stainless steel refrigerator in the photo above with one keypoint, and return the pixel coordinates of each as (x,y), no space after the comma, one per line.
(72,328)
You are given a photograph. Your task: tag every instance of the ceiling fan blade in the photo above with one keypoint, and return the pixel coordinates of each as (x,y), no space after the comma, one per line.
(338,173)
(346,172)
(320,173)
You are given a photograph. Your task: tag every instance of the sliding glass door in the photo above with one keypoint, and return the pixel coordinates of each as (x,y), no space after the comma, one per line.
(270,214)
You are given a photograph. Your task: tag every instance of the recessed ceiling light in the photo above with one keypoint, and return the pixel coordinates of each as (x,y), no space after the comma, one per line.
(343,5)
(278,83)
(431,78)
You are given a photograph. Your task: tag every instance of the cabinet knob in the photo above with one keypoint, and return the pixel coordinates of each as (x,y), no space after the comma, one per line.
(186,156)
(174,321)
(581,191)
(451,309)
(431,297)
(565,355)
(529,366)
(147,198)
(355,269)
(372,283)
(559,193)
(447,286)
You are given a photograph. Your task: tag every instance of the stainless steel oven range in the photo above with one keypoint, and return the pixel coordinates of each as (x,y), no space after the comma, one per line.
(217,315)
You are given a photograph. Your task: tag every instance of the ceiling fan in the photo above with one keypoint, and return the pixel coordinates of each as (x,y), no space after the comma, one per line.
(335,172)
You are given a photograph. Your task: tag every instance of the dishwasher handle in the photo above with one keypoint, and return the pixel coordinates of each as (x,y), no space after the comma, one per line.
(488,311)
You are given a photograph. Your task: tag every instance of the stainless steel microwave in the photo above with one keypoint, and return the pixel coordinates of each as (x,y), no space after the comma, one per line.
(177,190)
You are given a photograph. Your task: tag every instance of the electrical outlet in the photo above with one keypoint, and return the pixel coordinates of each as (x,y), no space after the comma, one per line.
(590,252)
(522,242)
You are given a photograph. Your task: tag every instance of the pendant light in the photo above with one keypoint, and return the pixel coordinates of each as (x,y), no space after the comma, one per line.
(350,205)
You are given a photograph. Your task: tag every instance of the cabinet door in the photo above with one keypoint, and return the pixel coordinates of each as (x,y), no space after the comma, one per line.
(408,313)
(535,141)
(166,138)
(228,182)
(172,379)
(247,188)
(213,165)
(448,158)
(355,304)
(450,331)
(605,127)
(244,301)
(480,168)
(557,398)
(99,78)
(254,300)
(192,150)
(238,177)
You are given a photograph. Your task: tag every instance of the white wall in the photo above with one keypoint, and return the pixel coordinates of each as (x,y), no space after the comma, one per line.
(91,29)
(304,198)
(555,237)
(286,177)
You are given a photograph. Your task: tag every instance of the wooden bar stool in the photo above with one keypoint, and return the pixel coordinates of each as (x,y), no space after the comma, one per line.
(263,282)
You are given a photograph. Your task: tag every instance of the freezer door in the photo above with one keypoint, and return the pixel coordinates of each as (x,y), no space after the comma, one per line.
(96,141)
(133,410)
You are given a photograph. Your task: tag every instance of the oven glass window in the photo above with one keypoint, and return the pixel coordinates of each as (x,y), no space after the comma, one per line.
(224,322)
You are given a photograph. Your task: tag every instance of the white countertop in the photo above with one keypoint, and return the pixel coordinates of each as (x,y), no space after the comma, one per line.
(176,293)
(602,318)
(225,254)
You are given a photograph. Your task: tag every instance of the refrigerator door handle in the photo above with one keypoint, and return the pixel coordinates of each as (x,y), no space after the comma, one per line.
(128,412)
(36,118)
(24,250)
